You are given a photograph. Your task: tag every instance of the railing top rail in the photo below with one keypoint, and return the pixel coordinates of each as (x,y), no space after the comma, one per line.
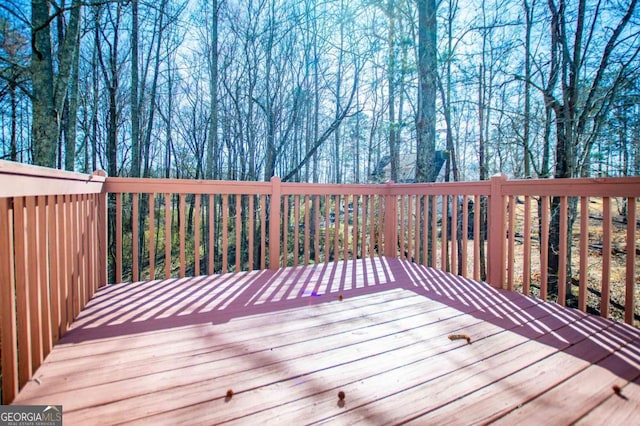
(594,187)
(19,180)
(575,187)
(184,186)
(293,188)
(441,188)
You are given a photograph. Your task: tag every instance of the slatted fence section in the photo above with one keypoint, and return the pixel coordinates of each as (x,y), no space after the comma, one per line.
(197,227)
(442,225)
(175,228)
(51,262)
(326,223)
(586,213)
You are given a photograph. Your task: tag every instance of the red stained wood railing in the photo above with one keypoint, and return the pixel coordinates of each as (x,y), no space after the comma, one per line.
(52,251)
(586,246)
(55,232)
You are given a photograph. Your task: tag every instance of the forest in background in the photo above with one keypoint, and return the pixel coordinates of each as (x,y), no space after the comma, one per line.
(319,91)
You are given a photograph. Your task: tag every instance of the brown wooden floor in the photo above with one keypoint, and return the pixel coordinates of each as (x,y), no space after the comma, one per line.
(166,352)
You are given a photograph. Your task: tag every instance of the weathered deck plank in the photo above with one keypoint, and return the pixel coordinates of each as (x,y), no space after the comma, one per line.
(167,351)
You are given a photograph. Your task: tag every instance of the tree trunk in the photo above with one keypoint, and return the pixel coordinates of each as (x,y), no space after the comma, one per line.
(72,117)
(391,81)
(49,90)
(426,117)
(212,137)
(134,102)
(44,127)
(13,145)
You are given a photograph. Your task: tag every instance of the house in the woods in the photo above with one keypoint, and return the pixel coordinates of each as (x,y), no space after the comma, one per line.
(406,169)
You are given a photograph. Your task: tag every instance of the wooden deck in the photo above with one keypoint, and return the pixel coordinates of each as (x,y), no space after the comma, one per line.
(166,352)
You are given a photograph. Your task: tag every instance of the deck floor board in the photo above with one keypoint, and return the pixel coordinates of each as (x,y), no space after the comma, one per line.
(286,341)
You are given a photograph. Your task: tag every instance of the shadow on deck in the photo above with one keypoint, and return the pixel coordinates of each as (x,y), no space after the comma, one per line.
(153,357)
(131,308)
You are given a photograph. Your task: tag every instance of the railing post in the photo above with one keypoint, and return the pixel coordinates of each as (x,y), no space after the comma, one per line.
(390,222)
(102,234)
(496,239)
(274,224)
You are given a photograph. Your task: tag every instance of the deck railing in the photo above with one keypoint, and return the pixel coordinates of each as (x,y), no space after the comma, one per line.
(63,235)
(52,246)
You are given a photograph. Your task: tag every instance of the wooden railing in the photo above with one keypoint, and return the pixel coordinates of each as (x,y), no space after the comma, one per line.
(219,226)
(52,247)
(63,235)
(525,212)
(519,220)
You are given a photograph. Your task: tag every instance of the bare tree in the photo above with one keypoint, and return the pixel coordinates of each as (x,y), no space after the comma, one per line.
(426,117)
(49,88)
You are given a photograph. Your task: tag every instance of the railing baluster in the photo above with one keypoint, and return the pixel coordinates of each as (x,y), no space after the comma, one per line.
(212,235)
(134,236)
(416,230)
(9,325)
(152,236)
(90,245)
(65,273)
(296,228)
(425,230)
(54,268)
(68,280)
(380,225)
(365,220)
(511,241)
(35,301)
(629,303)
(345,227)
(84,239)
(196,235)
(544,247)
(606,256)
(167,236)
(401,243)
(274,221)
(584,253)
(327,223)
(182,232)
(307,227)
(409,236)
(75,244)
(526,260)
(373,224)
(251,215)
(103,237)
(477,237)
(238,232)
(263,230)
(285,230)
(225,233)
(43,275)
(465,236)
(22,293)
(562,255)
(119,237)
(355,227)
(316,221)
